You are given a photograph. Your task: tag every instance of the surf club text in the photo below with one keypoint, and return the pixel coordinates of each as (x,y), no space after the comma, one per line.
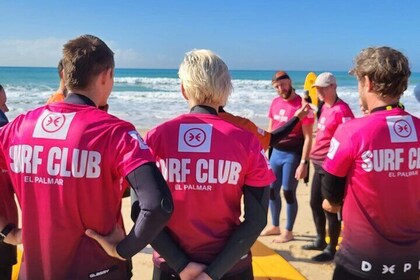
(64,162)
(405,164)
(207,172)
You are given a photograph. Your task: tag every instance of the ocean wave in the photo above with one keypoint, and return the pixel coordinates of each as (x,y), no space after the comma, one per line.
(160,99)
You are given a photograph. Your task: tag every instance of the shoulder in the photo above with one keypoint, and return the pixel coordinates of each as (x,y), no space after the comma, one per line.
(115,125)
(276,100)
(343,105)
(167,127)
(56,97)
(237,120)
(353,127)
(342,110)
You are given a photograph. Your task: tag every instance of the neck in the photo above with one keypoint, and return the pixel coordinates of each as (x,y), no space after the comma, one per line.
(75,98)
(214,106)
(203,109)
(292,96)
(374,101)
(88,94)
(330,102)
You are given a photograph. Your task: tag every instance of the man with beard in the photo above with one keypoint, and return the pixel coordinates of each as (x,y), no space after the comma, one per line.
(289,157)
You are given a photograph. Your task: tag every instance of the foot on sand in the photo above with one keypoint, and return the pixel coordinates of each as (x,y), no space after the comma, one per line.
(326,256)
(271,231)
(316,245)
(286,236)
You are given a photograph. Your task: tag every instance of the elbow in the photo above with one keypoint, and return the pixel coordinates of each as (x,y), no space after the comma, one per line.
(160,210)
(164,210)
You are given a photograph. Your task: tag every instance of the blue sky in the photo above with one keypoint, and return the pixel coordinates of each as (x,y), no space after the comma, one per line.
(266,35)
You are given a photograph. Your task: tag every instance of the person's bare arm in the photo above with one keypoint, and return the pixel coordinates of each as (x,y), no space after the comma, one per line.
(270,125)
(302,169)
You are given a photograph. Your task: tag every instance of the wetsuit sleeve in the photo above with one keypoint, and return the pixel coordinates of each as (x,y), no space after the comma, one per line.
(332,188)
(170,251)
(283,131)
(156,208)
(239,244)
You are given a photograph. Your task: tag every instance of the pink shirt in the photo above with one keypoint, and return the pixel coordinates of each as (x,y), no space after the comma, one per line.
(206,162)
(380,156)
(283,110)
(67,163)
(329,120)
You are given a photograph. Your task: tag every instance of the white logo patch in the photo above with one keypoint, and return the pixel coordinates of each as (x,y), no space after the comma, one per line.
(195,138)
(334,144)
(401,129)
(137,136)
(52,125)
(345,119)
(261,131)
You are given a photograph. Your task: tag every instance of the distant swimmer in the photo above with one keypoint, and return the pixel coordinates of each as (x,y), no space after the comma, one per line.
(373,170)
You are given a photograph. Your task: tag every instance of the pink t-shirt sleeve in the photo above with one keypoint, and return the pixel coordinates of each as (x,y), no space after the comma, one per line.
(259,172)
(132,152)
(340,155)
(309,119)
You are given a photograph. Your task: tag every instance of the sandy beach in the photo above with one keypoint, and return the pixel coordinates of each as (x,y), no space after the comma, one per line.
(304,232)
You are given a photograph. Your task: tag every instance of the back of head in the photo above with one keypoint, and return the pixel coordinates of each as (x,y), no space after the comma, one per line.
(387,69)
(205,77)
(3,100)
(84,58)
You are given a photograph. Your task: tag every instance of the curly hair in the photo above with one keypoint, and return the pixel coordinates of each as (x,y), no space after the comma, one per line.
(387,69)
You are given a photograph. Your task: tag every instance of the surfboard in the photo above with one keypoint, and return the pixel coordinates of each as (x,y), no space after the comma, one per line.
(309,81)
(267,264)
(16,267)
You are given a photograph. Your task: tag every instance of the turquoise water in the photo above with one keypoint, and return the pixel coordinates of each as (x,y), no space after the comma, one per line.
(146,97)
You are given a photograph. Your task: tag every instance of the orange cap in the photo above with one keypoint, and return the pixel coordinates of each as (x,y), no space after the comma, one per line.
(280,75)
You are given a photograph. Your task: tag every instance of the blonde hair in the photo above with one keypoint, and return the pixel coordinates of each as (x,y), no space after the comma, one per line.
(205,77)
(387,68)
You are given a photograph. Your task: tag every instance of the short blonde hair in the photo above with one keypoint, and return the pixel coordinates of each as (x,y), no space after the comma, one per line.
(205,77)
